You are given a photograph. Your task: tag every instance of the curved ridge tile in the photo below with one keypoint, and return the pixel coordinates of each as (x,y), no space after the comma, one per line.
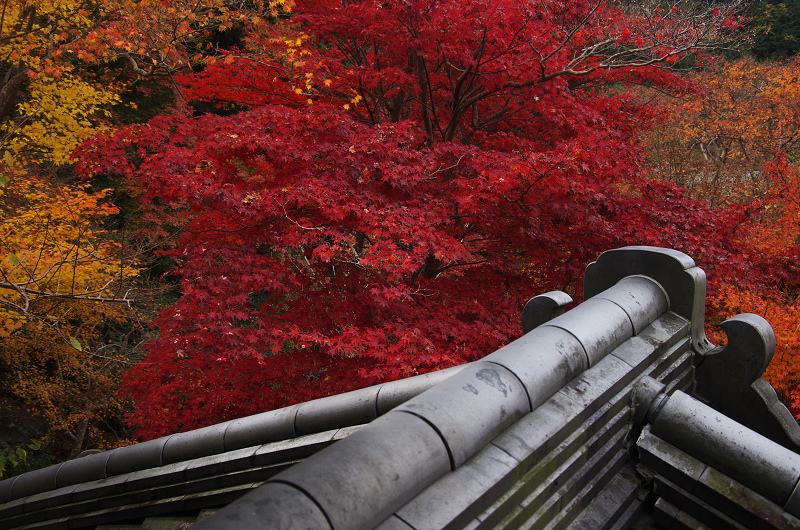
(361,480)
(35,482)
(395,393)
(194,444)
(5,489)
(681,279)
(544,359)
(333,412)
(259,429)
(131,458)
(741,453)
(471,408)
(599,325)
(273,505)
(83,469)
(642,299)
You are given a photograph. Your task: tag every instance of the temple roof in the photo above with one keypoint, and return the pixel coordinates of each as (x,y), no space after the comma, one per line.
(616,414)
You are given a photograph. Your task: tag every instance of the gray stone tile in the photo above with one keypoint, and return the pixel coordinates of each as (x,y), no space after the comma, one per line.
(83,469)
(150,503)
(5,490)
(12,508)
(157,476)
(166,523)
(471,408)
(136,457)
(669,516)
(260,429)
(754,460)
(51,524)
(394,523)
(194,444)
(273,505)
(544,359)
(222,463)
(462,494)
(669,461)
(361,480)
(540,431)
(47,499)
(538,488)
(334,412)
(681,279)
(294,449)
(100,488)
(548,471)
(671,360)
(599,325)
(591,389)
(545,513)
(741,503)
(345,432)
(653,341)
(579,489)
(608,505)
(35,482)
(642,299)
(398,392)
(693,507)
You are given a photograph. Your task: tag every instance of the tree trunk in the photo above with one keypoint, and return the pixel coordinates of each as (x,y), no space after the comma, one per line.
(78,437)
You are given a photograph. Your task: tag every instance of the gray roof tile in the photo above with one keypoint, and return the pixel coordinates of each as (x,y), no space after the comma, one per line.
(538,433)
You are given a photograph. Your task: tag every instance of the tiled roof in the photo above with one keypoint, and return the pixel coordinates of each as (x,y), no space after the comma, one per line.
(586,421)
(235,455)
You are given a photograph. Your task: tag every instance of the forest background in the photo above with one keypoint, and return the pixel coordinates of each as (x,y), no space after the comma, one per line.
(209,210)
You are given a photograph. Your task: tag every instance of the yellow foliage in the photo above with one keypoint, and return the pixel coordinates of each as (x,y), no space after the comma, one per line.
(46,108)
(48,102)
(66,330)
(60,114)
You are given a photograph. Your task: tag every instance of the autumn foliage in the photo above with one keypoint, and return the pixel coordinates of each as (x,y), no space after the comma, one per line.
(349,193)
(67,320)
(719,139)
(734,142)
(63,293)
(384,185)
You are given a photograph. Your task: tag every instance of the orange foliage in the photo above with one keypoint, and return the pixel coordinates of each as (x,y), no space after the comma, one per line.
(778,226)
(65,333)
(734,141)
(729,300)
(718,141)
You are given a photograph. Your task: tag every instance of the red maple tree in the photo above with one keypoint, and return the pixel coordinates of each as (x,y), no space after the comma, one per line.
(388,182)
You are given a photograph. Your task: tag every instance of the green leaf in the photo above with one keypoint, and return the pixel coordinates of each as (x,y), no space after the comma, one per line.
(9,160)
(12,258)
(75,343)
